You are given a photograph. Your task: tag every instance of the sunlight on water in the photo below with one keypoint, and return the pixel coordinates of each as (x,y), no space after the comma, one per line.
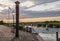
(48,36)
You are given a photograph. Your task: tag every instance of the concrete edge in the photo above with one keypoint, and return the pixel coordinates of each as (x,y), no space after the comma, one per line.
(39,38)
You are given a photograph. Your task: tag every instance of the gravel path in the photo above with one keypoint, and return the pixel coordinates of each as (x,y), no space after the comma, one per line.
(7,35)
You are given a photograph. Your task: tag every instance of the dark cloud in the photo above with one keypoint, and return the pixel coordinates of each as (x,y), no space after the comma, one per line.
(34,14)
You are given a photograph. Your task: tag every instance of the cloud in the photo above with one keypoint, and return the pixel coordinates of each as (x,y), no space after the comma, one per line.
(36,2)
(50,8)
(3,16)
(46,7)
(26,4)
(39,2)
(34,14)
(43,1)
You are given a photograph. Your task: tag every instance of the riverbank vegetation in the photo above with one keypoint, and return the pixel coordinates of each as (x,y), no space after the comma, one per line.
(51,24)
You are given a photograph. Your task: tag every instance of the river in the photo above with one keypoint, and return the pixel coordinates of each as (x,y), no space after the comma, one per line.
(46,35)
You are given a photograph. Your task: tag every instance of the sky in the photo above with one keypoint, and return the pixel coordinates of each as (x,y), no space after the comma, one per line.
(31,9)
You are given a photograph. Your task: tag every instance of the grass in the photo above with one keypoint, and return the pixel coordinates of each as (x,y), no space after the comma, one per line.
(11,25)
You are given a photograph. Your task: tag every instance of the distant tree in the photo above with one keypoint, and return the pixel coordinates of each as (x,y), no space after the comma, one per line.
(1,22)
(54,21)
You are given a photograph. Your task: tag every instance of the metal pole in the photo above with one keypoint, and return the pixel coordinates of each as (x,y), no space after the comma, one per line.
(13,20)
(17,19)
(56,36)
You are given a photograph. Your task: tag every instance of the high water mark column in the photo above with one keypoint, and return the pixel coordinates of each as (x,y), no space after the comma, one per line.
(17,18)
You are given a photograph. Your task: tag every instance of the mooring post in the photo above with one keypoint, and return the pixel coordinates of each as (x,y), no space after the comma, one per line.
(56,36)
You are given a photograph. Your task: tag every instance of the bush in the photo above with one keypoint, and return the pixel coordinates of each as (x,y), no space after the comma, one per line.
(50,25)
(39,25)
(58,26)
(44,25)
(21,27)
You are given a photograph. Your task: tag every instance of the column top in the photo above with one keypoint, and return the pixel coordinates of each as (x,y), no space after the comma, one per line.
(17,2)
